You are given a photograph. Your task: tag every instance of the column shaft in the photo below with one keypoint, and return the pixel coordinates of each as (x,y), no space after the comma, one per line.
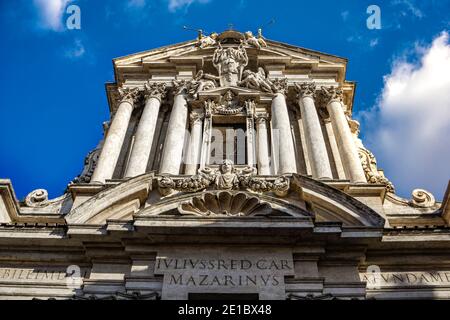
(113,143)
(285,144)
(317,151)
(144,138)
(263,147)
(173,145)
(195,144)
(345,142)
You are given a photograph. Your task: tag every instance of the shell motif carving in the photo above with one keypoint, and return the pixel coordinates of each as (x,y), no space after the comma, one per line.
(225,204)
(422,198)
(37,198)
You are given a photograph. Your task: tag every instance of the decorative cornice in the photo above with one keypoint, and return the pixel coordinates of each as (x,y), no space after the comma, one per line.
(155,90)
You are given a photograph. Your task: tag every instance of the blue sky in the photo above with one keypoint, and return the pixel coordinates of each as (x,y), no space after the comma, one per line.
(52,79)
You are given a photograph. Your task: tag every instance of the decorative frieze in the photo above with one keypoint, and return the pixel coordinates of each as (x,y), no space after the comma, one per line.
(227,177)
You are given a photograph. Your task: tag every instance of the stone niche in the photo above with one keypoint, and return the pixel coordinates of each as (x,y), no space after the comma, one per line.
(251,271)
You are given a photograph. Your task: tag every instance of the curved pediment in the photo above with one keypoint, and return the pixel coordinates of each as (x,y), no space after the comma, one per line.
(293,197)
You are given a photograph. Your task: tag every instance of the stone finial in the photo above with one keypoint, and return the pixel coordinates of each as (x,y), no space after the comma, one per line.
(155,90)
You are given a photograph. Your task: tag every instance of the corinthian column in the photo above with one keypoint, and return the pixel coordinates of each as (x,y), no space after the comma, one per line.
(263,145)
(317,151)
(115,136)
(344,139)
(282,127)
(176,130)
(195,144)
(154,93)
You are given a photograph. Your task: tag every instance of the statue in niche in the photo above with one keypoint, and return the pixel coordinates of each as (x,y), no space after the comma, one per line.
(202,82)
(230,63)
(257,81)
(251,40)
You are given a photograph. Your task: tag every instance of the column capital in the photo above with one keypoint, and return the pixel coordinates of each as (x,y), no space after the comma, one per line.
(180,87)
(196,117)
(250,106)
(261,118)
(155,90)
(130,95)
(331,94)
(305,89)
(280,86)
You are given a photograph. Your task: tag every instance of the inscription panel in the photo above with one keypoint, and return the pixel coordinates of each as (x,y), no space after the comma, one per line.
(397,279)
(229,270)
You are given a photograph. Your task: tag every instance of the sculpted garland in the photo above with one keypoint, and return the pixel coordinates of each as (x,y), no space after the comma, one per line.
(227,177)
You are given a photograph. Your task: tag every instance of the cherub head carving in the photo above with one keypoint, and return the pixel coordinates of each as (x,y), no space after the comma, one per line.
(227,166)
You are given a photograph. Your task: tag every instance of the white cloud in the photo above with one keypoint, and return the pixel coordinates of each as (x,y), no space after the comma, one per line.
(174,5)
(409,129)
(410,7)
(77,51)
(51,12)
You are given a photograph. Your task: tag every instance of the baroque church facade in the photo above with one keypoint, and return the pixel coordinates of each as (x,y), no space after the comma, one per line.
(231,167)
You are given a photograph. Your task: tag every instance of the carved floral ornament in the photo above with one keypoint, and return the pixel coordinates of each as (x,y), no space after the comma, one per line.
(227,177)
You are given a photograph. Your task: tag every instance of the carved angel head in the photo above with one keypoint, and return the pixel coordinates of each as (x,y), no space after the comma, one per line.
(227,166)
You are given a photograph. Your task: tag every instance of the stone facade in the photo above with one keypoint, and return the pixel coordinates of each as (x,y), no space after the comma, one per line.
(296,208)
